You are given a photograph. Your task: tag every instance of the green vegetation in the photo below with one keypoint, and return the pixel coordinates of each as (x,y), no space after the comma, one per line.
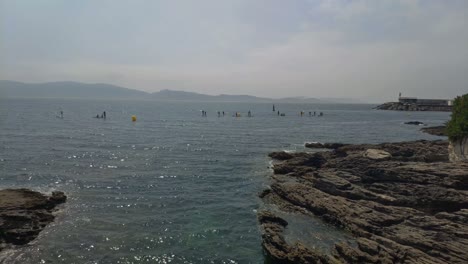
(457,127)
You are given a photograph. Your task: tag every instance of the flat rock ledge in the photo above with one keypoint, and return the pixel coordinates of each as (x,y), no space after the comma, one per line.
(24,214)
(436,130)
(410,205)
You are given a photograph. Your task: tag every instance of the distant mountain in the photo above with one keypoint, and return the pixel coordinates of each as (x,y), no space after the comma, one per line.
(11,89)
(300,100)
(190,96)
(339,100)
(66,90)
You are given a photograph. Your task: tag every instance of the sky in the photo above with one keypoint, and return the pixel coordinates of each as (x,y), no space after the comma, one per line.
(363,49)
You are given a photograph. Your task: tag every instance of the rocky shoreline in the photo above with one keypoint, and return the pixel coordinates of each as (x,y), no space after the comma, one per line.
(24,214)
(397,106)
(402,202)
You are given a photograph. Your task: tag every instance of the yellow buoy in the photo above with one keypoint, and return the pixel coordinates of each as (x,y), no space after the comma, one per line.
(133,118)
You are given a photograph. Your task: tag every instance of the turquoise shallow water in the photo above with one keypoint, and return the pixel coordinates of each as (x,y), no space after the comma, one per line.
(173,187)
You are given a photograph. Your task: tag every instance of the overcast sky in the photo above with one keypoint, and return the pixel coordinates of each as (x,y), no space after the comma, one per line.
(273,48)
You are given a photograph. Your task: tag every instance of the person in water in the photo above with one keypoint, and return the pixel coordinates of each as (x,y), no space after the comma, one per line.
(223,113)
(61,114)
(249,114)
(97,116)
(278,112)
(104,114)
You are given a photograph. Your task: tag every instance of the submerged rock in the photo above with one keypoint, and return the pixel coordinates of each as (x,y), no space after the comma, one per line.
(416,123)
(405,204)
(24,214)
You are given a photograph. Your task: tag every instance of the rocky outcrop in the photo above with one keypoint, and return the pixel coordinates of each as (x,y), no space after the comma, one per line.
(436,131)
(397,106)
(458,150)
(416,123)
(24,213)
(407,204)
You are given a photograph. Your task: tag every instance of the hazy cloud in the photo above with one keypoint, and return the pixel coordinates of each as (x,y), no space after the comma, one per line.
(336,48)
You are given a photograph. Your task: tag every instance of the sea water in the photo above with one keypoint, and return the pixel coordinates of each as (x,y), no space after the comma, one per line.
(172,187)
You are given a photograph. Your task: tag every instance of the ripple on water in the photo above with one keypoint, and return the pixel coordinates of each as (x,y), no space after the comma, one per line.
(174,187)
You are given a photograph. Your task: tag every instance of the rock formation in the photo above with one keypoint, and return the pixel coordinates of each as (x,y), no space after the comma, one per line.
(24,213)
(458,149)
(403,203)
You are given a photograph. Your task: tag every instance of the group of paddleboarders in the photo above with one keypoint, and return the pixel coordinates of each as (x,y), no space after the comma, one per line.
(237,114)
(310,113)
(302,113)
(103,115)
(204,114)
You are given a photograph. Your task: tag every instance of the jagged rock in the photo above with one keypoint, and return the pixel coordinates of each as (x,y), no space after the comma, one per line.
(409,207)
(24,213)
(280,155)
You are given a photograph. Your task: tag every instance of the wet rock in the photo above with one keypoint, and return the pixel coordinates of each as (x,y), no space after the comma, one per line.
(278,250)
(416,123)
(24,213)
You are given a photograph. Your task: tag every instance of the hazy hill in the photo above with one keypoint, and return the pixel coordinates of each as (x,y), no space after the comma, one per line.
(190,96)
(12,89)
(66,90)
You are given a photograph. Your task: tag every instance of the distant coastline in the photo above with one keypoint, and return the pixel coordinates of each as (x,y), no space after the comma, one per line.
(14,89)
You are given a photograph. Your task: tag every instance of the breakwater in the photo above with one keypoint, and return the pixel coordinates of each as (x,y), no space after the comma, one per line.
(399,106)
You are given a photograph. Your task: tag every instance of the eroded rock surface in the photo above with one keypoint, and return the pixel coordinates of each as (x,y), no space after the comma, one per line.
(409,207)
(24,213)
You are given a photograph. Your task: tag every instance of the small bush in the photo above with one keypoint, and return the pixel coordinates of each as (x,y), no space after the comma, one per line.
(457,127)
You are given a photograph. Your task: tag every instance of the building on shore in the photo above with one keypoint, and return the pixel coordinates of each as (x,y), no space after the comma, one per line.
(417,104)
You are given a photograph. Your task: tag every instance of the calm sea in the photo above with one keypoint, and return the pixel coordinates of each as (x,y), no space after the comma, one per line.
(173,187)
